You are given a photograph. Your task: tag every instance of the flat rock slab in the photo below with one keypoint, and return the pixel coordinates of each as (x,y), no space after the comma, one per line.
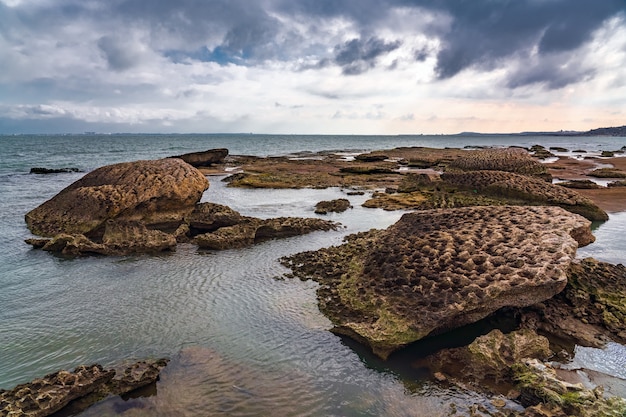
(436,270)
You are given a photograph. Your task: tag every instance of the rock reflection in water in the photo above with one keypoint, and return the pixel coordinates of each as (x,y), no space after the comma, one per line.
(199,381)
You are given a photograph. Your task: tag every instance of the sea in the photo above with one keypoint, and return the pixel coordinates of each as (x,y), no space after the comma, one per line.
(242,339)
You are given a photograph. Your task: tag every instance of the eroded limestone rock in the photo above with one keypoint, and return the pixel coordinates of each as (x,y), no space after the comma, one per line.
(436,270)
(252,230)
(204,158)
(158,193)
(527,189)
(333,206)
(514,160)
(45,396)
(592,308)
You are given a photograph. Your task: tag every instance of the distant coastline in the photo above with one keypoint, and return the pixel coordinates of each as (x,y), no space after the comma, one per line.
(618,131)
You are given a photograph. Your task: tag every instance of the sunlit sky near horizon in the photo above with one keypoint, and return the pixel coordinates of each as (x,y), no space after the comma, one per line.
(311,66)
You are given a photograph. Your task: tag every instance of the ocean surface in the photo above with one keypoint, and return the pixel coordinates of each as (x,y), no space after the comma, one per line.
(242,340)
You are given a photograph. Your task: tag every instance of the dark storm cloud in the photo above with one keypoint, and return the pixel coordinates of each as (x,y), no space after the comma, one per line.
(484,33)
(357,56)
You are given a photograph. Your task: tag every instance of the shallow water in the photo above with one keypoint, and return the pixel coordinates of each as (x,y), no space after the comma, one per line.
(241,341)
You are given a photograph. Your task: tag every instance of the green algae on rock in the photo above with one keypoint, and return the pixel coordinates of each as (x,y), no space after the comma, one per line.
(592,308)
(436,270)
(528,190)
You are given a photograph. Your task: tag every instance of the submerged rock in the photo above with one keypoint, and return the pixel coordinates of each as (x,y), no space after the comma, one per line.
(40,170)
(45,396)
(436,270)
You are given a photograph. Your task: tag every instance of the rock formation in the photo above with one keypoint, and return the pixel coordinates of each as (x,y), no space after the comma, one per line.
(251,230)
(514,160)
(148,206)
(333,206)
(45,396)
(204,158)
(590,311)
(158,193)
(436,270)
(526,189)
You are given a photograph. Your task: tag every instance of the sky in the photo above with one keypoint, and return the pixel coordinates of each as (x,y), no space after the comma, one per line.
(311,66)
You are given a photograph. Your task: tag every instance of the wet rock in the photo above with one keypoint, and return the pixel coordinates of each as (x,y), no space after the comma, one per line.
(616,184)
(208,217)
(607,154)
(525,189)
(546,395)
(371,157)
(40,170)
(558,149)
(367,170)
(253,230)
(489,358)
(579,184)
(417,181)
(159,193)
(436,270)
(45,396)
(541,152)
(204,158)
(333,206)
(607,173)
(592,308)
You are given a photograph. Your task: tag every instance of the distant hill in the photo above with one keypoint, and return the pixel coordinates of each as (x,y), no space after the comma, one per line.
(606,131)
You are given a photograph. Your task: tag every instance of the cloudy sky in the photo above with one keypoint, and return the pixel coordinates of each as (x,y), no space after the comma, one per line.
(311,66)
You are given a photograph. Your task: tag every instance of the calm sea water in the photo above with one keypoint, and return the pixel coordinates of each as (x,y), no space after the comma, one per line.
(241,341)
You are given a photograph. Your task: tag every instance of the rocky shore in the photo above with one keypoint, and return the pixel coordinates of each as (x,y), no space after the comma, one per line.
(148,206)
(80,388)
(488,231)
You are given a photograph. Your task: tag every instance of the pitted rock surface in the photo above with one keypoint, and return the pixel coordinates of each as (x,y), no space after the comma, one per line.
(436,270)
(514,160)
(527,189)
(157,192)
(89,384)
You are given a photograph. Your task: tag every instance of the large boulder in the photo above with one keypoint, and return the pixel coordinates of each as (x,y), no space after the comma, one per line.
(204,158)
(158,193)
(436,270)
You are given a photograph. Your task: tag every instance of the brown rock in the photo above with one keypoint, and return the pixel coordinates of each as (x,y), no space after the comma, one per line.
(527,189)
(335,206)
(86,384)
(204,158)
(488,359)
(159,193)
(592,308)
(208,217)
(253,230)
(514,160)
(440,269)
